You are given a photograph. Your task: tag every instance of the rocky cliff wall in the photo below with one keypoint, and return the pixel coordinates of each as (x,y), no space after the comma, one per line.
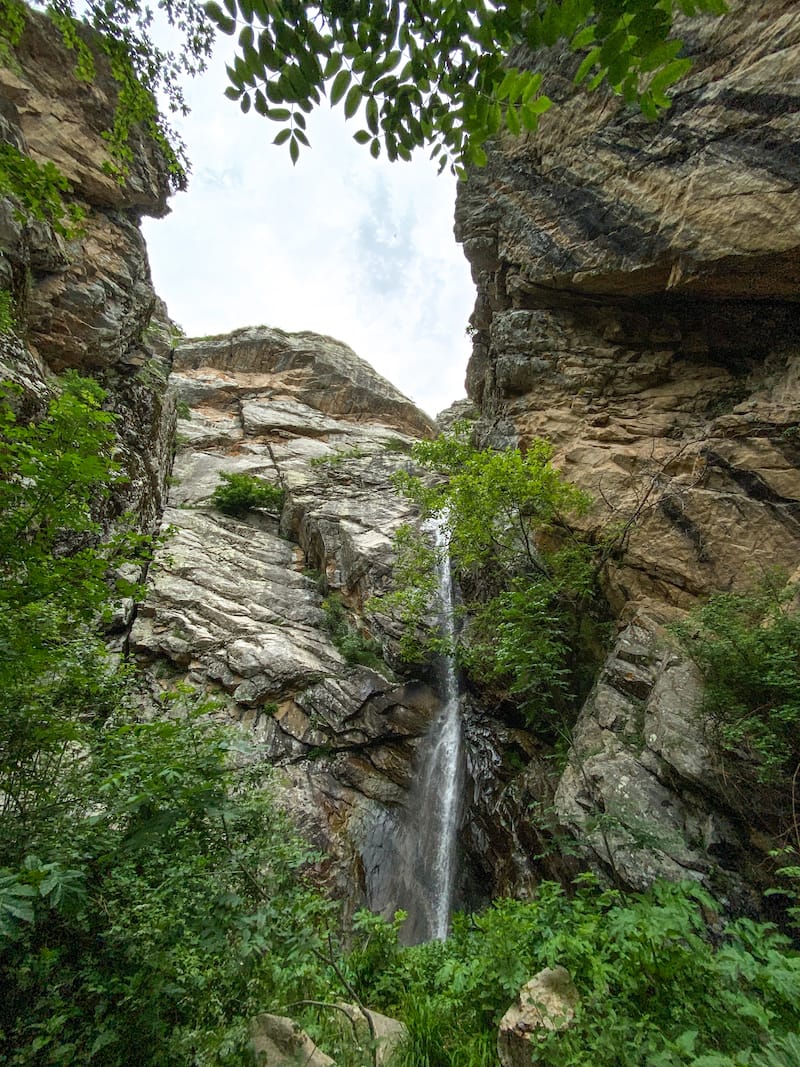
(266,610)
(85,301)
(638,288)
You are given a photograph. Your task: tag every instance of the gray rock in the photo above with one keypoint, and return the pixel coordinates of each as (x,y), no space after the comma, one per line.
(546,1003)
(279,1042)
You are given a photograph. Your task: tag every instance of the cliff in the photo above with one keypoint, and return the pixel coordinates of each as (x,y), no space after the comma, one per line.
(85,301)
(637,305)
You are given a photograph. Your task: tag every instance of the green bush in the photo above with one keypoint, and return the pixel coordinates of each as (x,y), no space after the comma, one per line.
(746,646)
(237,494)
(7,315)
(151,895)
(656,987)
(354,646)
(528,603)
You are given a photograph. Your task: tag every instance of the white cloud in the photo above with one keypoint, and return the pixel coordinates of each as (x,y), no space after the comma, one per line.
(341,244)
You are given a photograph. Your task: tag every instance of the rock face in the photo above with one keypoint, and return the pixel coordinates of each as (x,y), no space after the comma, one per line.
(269,610)
(85,302)
(638,290)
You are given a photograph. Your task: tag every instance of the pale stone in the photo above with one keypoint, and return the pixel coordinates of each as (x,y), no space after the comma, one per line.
(546,1003)
(280,1042)
(380,1034)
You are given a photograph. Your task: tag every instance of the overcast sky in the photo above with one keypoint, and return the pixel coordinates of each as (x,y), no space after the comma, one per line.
(341,244)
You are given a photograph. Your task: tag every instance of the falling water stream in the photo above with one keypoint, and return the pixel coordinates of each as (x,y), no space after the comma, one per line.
(410,858)
(438,801)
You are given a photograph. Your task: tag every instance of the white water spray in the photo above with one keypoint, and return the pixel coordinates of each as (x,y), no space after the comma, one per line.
(410,859)
(439,803)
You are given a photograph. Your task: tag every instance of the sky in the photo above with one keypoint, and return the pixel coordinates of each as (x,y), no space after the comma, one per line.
(341,244)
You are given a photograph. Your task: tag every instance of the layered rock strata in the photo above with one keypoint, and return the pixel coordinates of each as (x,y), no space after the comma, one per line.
(85,301)
(638,289)
(254,608)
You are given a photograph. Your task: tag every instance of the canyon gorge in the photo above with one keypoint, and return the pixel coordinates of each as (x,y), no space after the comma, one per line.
(637,291)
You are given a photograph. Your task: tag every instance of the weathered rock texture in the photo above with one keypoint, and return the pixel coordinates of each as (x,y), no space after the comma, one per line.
(236,604)
(547,1002)
(85,302)
(637,304)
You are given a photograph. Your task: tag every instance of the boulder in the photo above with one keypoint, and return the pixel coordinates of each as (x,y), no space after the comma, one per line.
(546,1003)
(378,1033)
(280,1042)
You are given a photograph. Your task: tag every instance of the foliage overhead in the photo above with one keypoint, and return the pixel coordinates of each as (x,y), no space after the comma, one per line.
(437,72)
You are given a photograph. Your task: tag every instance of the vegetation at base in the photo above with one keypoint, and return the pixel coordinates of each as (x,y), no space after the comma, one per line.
(237,494)
(529,608)
(151,895)
(746,646)
(348,639)
(437,74)
(153,898)
(656,985)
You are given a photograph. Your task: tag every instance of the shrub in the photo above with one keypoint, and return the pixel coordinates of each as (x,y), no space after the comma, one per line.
(746,646)
(528,604)
(237,494)
(656,988)
(353,645)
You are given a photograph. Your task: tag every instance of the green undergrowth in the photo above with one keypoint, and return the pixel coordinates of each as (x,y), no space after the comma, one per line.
(746,646)
(662,982)
(153,898)
(530,619)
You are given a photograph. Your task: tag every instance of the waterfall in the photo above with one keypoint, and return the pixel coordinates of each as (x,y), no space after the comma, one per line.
(438,801)
(409,857)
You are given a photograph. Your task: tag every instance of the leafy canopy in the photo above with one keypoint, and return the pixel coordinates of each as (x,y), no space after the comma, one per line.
(437,72)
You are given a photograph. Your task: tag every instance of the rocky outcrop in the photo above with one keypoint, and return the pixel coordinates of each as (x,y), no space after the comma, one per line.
(84,301)
(269,610)
(638,288)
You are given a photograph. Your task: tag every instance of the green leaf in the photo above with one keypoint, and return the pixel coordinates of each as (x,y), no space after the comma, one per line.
(362,136)
(587,64)
(352,101)
(294,150)
(283,136)
(340,86)
(375,148)
(372,114)
(333,65)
